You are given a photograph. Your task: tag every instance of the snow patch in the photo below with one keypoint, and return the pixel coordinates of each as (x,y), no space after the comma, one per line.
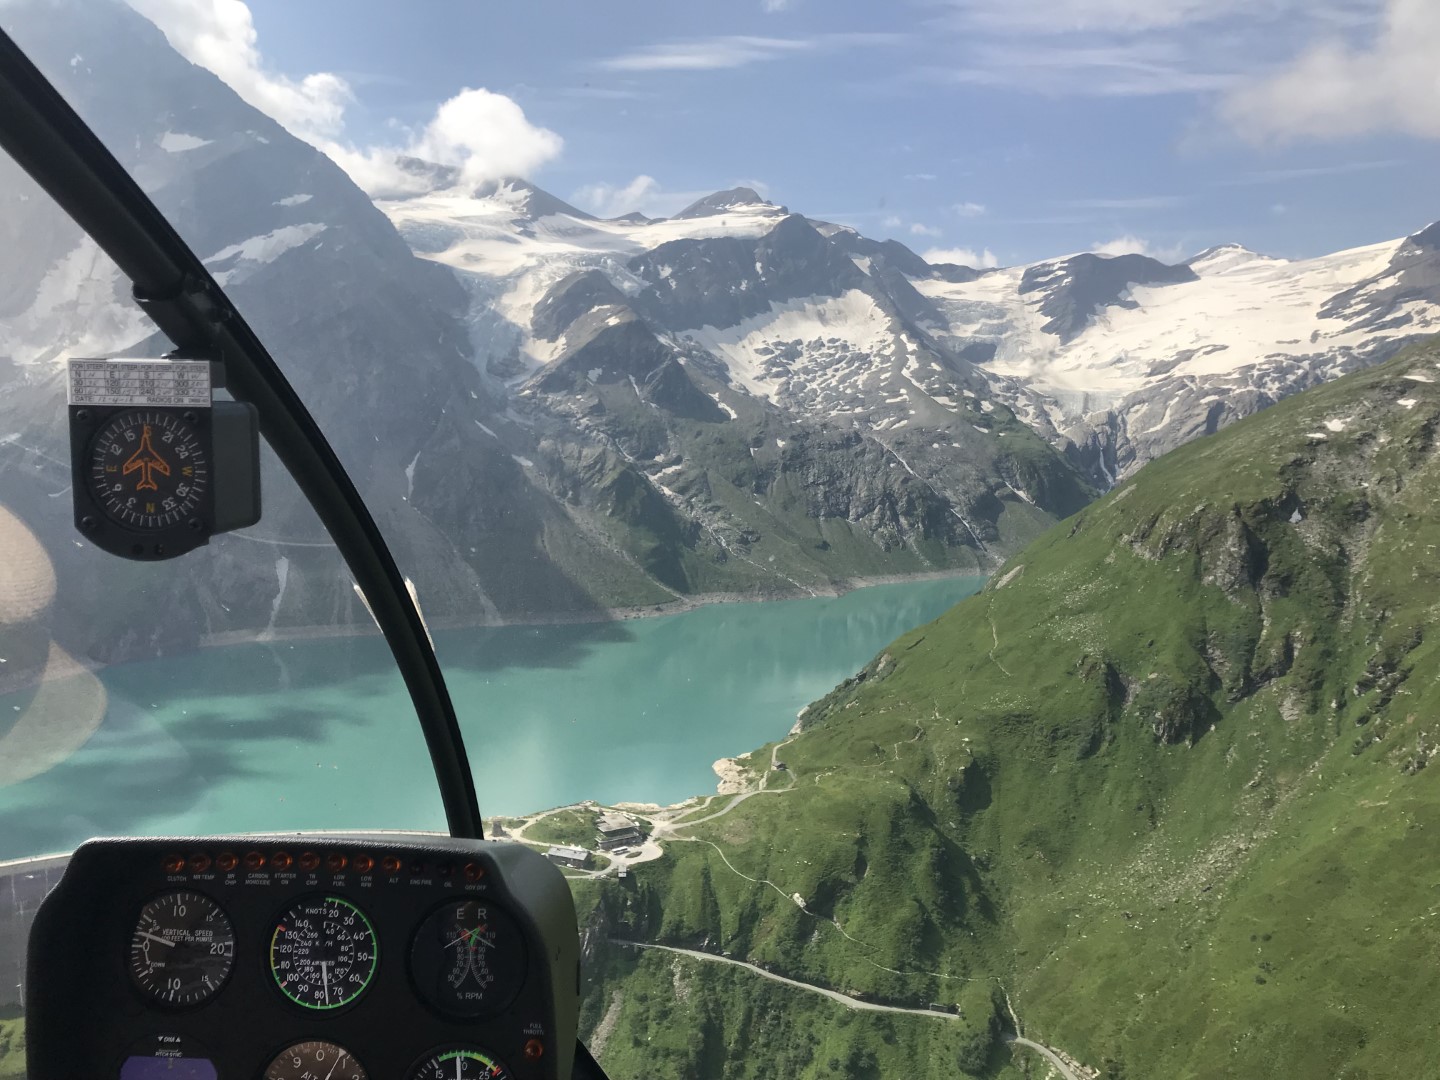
(1412,377)
(410,477)
(526,462)
(294,200)
(728,412)
(175,142)
(260,250)
(1407,402)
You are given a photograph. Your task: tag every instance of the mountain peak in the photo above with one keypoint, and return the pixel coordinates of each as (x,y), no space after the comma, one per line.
(527,199)
(724,201)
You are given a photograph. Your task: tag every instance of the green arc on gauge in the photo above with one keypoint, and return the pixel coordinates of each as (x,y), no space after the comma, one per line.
(369,932)
(490,1064)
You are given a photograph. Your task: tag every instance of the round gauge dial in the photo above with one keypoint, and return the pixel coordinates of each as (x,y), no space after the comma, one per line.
(182,948)
(149,469)
(323,952)
(468,958)
(460,1063)
(314,1060)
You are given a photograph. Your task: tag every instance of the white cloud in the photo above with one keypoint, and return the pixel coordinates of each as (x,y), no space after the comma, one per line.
(1071,16)
(220,35)
(770,7)
(1133,245)
(732,51)
(891,222)
(917,229)
(482,134)
(968,209)
(1282,176)
(922,176)
(1139,202)
(644,194)
(1335,89)
(962,256)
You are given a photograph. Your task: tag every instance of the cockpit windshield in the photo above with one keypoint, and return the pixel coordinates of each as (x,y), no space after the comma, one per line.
(925,516)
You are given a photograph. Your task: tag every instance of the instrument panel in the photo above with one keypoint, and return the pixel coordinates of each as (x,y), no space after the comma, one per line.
(304,958)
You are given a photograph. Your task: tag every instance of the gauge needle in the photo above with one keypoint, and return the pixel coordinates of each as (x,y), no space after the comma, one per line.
(156,937)
(470,937)
(334,1067)
(325,976)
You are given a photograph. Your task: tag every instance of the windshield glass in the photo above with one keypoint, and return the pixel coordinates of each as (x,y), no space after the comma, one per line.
(924,510)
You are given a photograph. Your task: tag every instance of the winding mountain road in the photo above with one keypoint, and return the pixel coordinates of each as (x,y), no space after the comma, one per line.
(1055,1059)
(849,1002)
(834,995)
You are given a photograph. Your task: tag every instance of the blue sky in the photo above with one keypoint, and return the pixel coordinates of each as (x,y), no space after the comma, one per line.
(1022,128)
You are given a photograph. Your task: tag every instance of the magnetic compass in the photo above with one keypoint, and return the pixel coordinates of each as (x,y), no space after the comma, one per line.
(157,467)
(150,470)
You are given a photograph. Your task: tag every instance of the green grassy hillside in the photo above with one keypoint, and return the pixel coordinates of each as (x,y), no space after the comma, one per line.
(1164,784)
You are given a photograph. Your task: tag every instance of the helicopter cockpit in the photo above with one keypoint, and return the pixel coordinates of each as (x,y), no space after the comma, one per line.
(292,956)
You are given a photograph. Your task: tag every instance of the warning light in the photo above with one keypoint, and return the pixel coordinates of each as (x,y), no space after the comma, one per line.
(175,864)
(534,1050)
(335,862)
(309,861)
(392,865)
(226,862)
(254,861)
(281,860)
(199,863)
(364,863)
(474,871)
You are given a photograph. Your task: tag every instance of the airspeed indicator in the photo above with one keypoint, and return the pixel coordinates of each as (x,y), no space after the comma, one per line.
(323,953)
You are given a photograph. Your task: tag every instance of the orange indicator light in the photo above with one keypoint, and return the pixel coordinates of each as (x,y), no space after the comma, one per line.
(175,864)
(391,865)
(309,861)
(199,863)
(281,860)
(534,1050)
(364,863)
(474,871)
(226,862)
(254,861)
(335,862)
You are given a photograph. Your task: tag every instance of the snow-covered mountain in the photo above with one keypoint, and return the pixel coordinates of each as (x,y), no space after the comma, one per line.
(840,435)
(535,441)
(1113,360)
(1150,357)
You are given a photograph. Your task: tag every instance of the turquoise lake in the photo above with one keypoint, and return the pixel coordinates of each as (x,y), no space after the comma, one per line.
(319,734)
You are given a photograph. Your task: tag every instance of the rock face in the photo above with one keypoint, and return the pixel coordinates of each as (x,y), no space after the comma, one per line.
(376,341)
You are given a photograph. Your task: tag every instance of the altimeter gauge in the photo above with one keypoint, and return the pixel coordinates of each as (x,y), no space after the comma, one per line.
(315,1060)
(182,949)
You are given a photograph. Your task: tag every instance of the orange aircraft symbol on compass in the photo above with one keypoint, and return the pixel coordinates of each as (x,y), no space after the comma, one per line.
(148,462)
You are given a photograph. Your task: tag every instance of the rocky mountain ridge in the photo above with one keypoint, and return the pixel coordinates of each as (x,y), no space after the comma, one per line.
(1112,360)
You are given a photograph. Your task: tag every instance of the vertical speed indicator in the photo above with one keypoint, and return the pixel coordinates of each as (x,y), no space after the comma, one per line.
(182,949)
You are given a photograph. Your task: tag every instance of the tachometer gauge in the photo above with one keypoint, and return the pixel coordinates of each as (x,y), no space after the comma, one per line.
(323,952)
(460,1063)
(182,949)
(314,1060)
(468,958)
(150,470)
